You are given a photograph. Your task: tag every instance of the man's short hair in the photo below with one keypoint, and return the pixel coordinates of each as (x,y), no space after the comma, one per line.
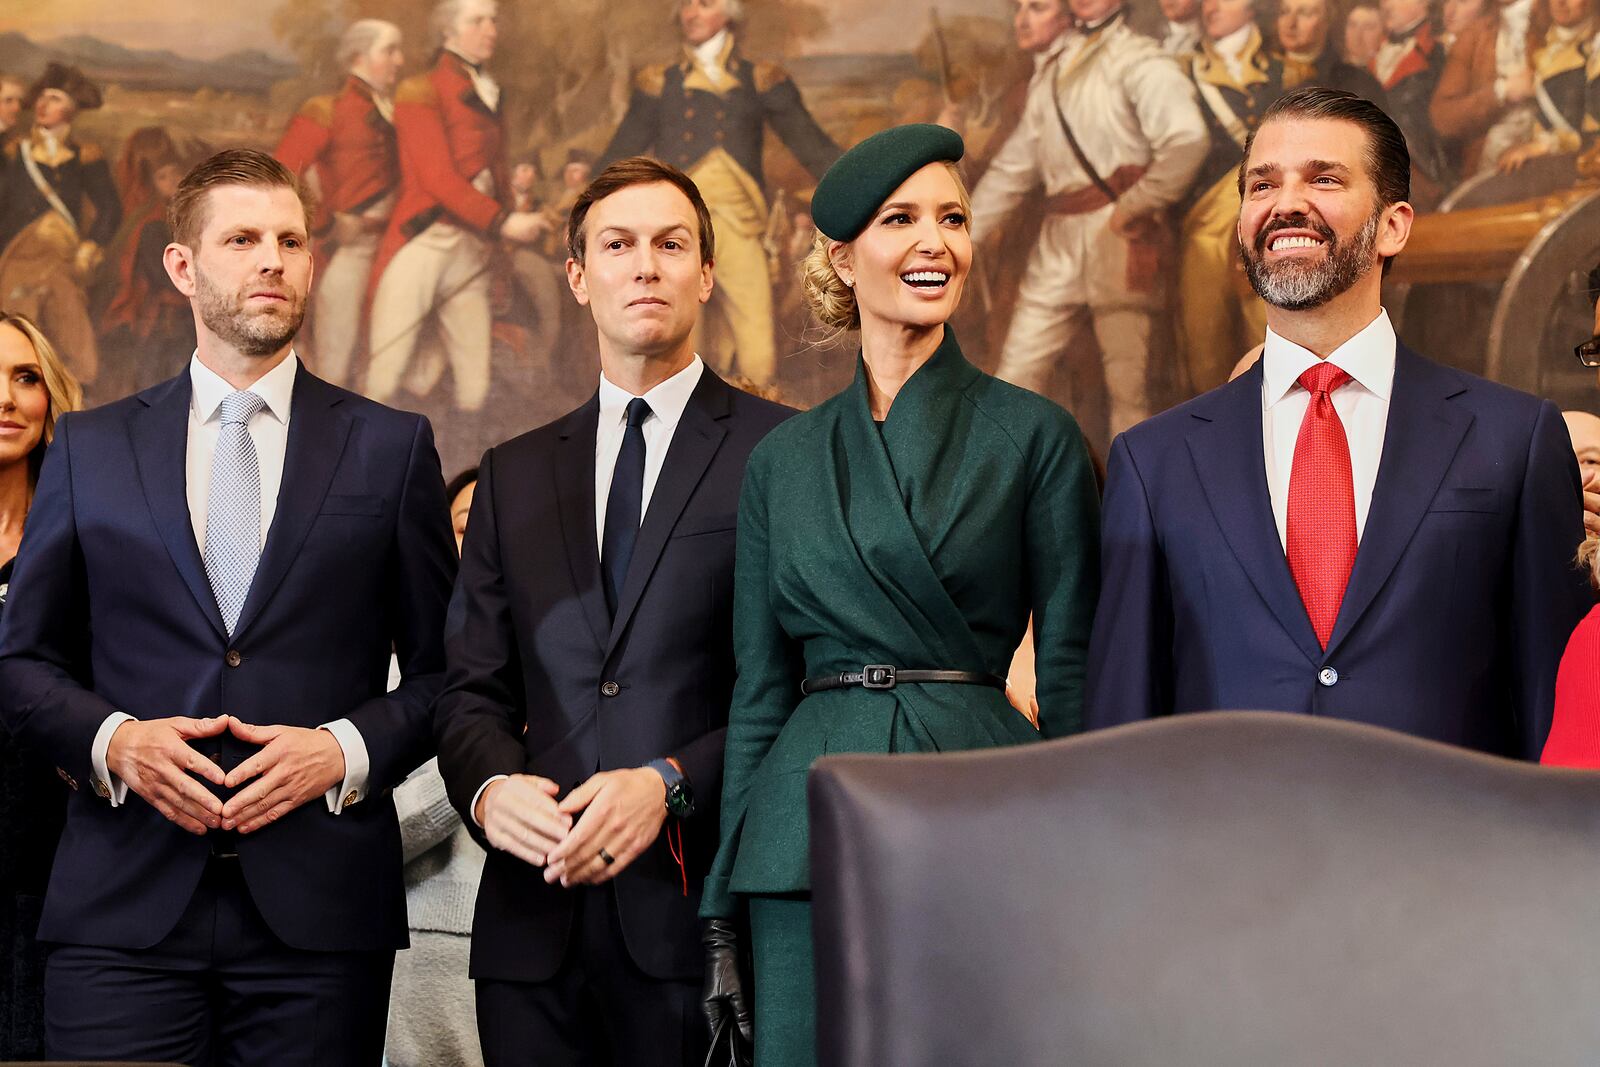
(360,36)
(186,212)
(445,13)
(733,8)
(637,170)
(1388,158)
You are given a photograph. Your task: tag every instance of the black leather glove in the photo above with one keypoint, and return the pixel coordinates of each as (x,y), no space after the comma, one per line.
(726,1006)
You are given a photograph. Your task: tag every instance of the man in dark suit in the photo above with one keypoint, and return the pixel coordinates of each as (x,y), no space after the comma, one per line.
(1346,529)
(214,573)
(591,659)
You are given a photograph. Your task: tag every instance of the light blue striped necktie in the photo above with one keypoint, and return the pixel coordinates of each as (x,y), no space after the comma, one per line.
(233,510)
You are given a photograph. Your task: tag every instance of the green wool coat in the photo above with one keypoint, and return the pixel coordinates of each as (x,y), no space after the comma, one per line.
(924,544)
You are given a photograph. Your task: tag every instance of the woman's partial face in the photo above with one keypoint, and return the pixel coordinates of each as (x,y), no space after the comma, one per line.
(910,263)
(24,401)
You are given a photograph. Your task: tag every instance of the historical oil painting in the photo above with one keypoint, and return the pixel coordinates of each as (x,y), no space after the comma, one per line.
(1106,266)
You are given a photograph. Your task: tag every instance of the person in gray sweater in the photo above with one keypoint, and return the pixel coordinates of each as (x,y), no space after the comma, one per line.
(432,1019)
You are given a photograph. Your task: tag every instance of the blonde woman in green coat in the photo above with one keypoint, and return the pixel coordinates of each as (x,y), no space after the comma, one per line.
(914,521)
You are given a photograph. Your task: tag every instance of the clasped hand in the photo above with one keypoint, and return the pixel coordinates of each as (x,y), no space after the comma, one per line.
(293,766)
(618,812)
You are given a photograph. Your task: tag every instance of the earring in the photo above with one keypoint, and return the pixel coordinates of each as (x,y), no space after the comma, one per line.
(849,282)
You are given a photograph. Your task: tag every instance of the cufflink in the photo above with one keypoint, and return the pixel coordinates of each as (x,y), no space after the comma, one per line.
(101,790)
(351,797)
(72,782)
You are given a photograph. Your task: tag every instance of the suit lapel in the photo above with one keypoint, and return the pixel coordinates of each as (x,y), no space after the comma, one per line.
(160,435)
(694,443)
(1226,448)
(574,477)
(318,428)
(1423,433)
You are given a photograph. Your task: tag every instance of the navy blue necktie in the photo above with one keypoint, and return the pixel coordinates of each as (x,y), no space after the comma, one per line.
(624,505)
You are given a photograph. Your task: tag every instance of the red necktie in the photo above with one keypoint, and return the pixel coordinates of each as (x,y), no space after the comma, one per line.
(1321,541)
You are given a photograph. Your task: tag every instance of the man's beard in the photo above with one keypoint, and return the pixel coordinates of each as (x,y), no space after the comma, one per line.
(1300,286)
(256,332)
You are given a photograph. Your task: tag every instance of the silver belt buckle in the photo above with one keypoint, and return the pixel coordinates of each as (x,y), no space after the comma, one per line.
(877,676)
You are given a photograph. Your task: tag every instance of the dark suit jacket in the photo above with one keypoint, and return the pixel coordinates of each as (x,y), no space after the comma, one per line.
(111,610)
(529,643)
(1461,599)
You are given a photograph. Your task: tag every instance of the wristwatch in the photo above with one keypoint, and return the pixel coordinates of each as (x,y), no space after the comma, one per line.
(680,796)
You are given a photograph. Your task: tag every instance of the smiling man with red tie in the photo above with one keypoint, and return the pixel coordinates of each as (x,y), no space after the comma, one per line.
(1347,529)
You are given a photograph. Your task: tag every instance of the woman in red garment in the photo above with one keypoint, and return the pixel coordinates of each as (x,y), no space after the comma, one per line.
(1575,730)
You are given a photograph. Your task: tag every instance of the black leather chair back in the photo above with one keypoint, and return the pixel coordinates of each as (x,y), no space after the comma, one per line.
(1228,889)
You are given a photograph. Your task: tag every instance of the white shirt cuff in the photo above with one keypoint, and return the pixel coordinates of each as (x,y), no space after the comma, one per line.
(116,790)
(357,765)
(473,811)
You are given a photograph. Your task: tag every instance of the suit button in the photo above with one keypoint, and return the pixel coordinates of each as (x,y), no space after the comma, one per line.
(688,112)
(1328,676)
(610,689)
(721,136)
(233,659)
(688,135)
(72,782)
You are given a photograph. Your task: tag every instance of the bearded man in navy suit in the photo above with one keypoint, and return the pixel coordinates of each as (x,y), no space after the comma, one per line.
(213,576)
(1346,529)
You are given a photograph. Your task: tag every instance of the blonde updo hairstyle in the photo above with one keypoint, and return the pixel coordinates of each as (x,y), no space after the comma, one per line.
(830,300)
(1589,558)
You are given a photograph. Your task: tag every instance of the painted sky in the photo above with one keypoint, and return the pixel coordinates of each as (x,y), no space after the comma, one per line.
(231,25)
(889,25)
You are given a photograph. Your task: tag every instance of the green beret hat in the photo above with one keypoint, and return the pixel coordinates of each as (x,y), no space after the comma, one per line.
(862,178)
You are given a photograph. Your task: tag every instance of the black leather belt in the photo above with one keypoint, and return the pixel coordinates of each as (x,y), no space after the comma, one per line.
(224,844)
(883,676)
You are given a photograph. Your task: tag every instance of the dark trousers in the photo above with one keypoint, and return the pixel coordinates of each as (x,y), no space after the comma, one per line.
(600,1008)
(219,991)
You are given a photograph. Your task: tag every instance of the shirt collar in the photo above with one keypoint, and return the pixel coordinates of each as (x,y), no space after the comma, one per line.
(1041,59)
(1234,44)
(477,68)
(276,387)
(1368,357)
(709,52)
(667,399)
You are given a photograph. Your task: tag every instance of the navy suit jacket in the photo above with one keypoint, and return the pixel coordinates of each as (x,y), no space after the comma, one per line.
(1463,594)
(543,680)
(112,611)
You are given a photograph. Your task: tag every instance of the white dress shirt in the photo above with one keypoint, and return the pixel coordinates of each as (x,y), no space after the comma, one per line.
(667,401)
(1362,405)
(708,57)
(269,431)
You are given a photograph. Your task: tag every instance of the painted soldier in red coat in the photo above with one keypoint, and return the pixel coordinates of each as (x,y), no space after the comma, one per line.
(348,139)
(433,262)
